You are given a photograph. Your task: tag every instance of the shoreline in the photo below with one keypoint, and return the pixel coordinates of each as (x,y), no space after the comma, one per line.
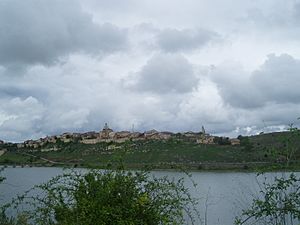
(171,168)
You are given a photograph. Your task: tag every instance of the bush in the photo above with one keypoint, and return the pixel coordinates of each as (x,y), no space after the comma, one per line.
(108,197)
(279,204)
(222,141)
(1,178)
(245,143)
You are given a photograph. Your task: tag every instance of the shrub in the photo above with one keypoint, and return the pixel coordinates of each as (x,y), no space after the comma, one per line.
(1,178)
(279,204)
(108,197)
(222,141)
(246,143)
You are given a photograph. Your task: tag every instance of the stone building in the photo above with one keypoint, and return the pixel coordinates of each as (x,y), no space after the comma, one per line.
(235,141)
(205,139)
(104,134)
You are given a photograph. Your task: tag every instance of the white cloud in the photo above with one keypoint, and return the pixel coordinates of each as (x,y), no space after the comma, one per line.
(166,73)
(74,65)
(23,119)
(173,40)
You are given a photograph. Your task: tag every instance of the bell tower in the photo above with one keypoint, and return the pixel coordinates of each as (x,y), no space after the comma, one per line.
(105,132)
(105,127)
(203,130)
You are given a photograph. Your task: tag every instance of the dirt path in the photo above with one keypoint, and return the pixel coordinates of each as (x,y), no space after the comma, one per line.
(2,152)
(44,159)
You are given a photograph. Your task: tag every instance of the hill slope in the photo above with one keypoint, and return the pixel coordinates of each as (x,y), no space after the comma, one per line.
(255,151)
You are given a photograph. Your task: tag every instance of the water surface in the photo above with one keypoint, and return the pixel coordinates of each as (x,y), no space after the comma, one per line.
(222,194)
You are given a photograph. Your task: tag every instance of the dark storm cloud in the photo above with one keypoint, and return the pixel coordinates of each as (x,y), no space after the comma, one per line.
(12,91)
(166,73)
(40,31)
(234,87)
(276,81)
(173,40)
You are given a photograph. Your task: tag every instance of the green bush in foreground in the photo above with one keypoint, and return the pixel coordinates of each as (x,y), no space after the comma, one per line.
(107,197)
(278,205)
(1,178)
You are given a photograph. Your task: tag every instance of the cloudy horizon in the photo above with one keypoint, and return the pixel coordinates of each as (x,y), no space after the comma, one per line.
(72,65)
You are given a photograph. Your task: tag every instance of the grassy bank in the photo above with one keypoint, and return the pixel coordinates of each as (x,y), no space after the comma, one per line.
(266,151)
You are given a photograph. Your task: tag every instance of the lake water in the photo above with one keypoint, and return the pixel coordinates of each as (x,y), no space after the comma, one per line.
(222,194)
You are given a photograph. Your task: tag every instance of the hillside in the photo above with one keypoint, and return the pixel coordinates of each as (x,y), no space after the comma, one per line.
(254,151)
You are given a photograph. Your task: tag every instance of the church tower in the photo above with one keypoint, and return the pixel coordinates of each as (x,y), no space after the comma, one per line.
(105,127)
(105,131)
(203,130)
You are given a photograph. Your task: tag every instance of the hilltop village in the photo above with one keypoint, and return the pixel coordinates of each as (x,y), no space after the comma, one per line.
(108,135)
(155,149)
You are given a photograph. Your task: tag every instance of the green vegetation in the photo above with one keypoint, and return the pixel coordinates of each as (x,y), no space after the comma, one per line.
(255,152)
(279,204)
(1,178)
(246,143)
(279,201)
(117,196)
(12,158)
(106,197)
(222,140)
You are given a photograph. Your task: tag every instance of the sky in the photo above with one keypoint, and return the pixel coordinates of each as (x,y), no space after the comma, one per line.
(231,66)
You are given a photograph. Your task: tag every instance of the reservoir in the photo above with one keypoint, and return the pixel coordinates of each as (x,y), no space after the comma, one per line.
(222,195)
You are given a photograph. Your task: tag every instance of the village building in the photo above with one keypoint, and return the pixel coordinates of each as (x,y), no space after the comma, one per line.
(104,134)
(89,135)
(76,135)
(136,135)
(66,137)
(165,135)
(90,141)
(20,145)
(190,134)
(122,136)
(235,141)
(52,139)
(111,135)
(205,139)
(108,135)
(151,134)
(155,136)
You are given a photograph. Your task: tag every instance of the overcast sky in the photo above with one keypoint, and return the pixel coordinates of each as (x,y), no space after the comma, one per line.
(70,66)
